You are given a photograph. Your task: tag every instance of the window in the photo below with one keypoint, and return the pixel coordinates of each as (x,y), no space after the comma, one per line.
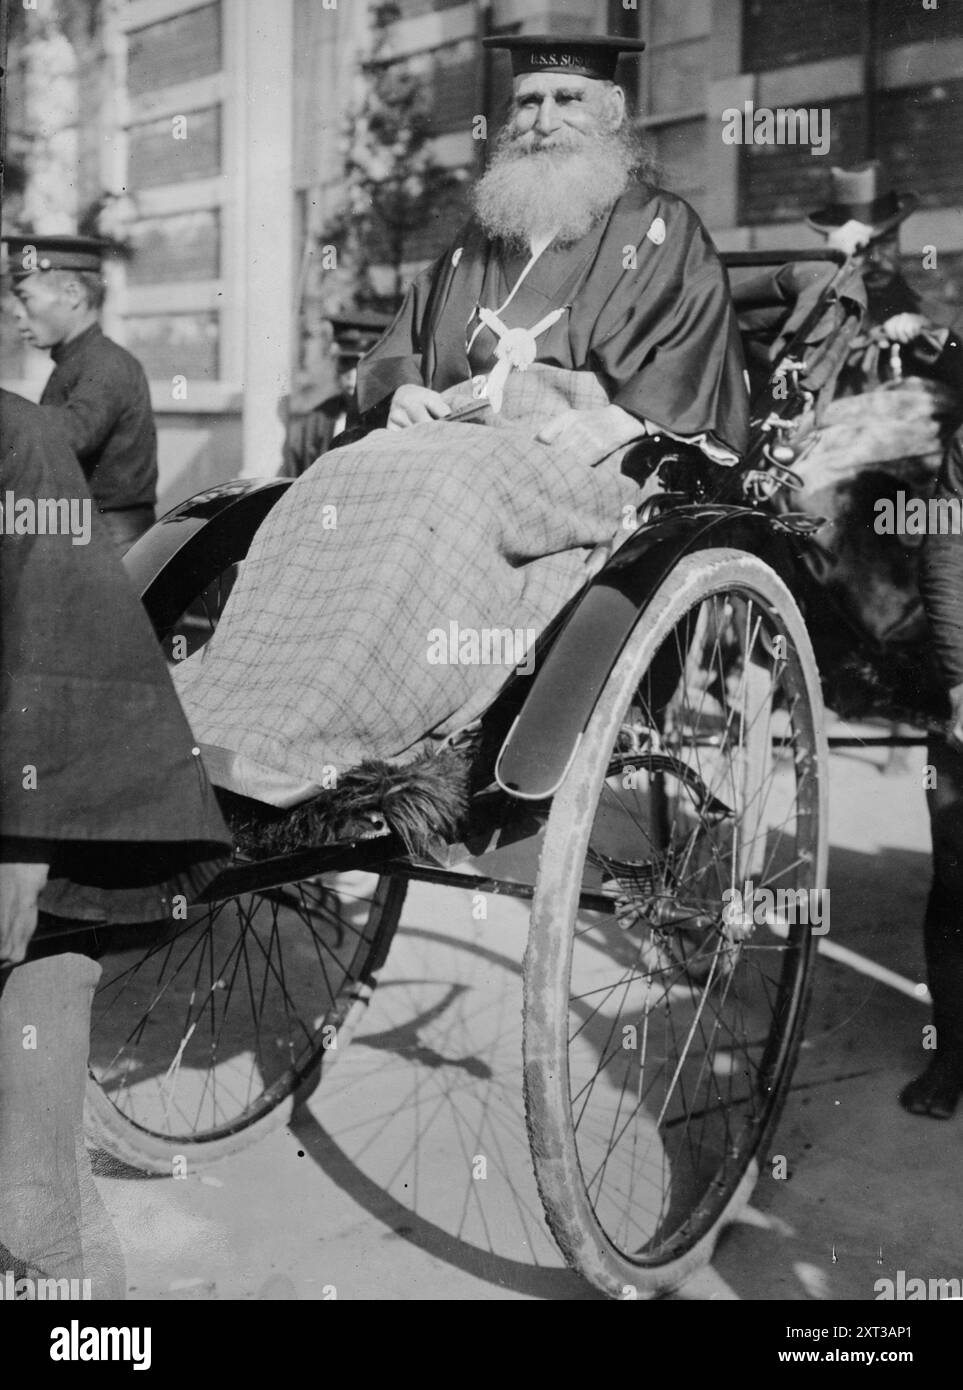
(169,345)
(920,131)
(182,246)
(905,22)
(782,33)
(156,159)
(782,183)
(917,131)
(177,237)
(669,82)
(175,50)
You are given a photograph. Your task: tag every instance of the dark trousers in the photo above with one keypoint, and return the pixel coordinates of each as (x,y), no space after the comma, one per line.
(943,924)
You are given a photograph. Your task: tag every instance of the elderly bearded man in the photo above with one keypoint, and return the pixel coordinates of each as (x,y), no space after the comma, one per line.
(581,308)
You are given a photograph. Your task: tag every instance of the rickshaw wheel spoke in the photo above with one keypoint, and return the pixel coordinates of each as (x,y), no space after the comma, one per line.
(660,1036)
(201,1042)
(205,1033)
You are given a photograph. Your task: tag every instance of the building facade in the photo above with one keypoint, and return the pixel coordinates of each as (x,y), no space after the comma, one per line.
(223,122)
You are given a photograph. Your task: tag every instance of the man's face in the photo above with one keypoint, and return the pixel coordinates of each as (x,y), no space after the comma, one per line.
(553,110)
(562,159)
(49,310)
(882,260)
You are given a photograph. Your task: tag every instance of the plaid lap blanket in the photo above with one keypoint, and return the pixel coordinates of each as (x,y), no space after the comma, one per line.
(348,634)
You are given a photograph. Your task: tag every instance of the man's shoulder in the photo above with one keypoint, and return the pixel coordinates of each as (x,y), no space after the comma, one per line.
(111,352)
(643,202)
(21,431)
(118,370)
(643,193)
(18,414)
(33,453)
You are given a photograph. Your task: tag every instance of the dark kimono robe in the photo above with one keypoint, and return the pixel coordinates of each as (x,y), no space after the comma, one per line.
(647,309)
(98,770)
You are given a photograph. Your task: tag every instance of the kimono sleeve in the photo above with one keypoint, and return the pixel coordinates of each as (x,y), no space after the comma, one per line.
(668,339)
(397,358)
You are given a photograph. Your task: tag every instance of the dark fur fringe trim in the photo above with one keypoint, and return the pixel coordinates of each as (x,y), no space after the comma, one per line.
(899,687)
(421,802)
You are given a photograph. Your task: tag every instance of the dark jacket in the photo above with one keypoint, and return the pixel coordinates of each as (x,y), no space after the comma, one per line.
(942,558)
(310,433)
(98,773)
(97,394)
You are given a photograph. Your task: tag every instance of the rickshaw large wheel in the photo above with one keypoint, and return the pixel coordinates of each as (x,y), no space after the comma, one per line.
(207,1032)
(663,1011)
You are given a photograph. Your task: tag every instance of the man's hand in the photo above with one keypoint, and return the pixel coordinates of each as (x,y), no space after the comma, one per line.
(593,434)
(20,886)
(414,405)
(903,328)
(850,237)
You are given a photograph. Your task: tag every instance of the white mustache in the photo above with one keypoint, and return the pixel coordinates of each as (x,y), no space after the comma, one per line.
(530,142)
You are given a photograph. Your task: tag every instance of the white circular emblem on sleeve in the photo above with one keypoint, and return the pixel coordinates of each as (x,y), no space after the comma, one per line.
(456,255)
(656,232)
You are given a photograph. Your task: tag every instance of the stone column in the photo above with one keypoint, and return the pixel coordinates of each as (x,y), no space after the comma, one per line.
(260,278)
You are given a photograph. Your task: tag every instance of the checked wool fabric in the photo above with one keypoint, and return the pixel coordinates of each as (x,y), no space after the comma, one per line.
(321,656)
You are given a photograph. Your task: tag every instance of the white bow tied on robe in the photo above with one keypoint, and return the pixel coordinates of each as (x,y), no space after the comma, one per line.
(515,349)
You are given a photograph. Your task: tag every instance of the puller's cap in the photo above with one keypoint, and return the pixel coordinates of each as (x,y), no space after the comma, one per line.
(28,254)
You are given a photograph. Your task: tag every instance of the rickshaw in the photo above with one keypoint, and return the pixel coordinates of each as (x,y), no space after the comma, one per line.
(668,753)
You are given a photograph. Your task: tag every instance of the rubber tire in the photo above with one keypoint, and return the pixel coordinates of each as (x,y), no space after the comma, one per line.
(107,1128)
(548,956)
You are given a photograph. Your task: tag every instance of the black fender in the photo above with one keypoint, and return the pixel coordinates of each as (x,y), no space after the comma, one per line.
(542,742)
(191,545)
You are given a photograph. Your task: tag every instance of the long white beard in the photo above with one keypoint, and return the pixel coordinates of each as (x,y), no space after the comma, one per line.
(563,188)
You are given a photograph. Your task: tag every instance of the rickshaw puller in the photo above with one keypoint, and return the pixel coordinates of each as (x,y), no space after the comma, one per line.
(105,815)
(937,1090)
(97,394)
(866,211)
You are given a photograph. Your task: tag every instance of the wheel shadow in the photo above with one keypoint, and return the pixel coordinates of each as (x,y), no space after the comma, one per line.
(469,1092)
(424,1235)
(866,1185)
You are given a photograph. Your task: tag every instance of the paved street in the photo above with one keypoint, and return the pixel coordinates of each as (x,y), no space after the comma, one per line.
(371,1193)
